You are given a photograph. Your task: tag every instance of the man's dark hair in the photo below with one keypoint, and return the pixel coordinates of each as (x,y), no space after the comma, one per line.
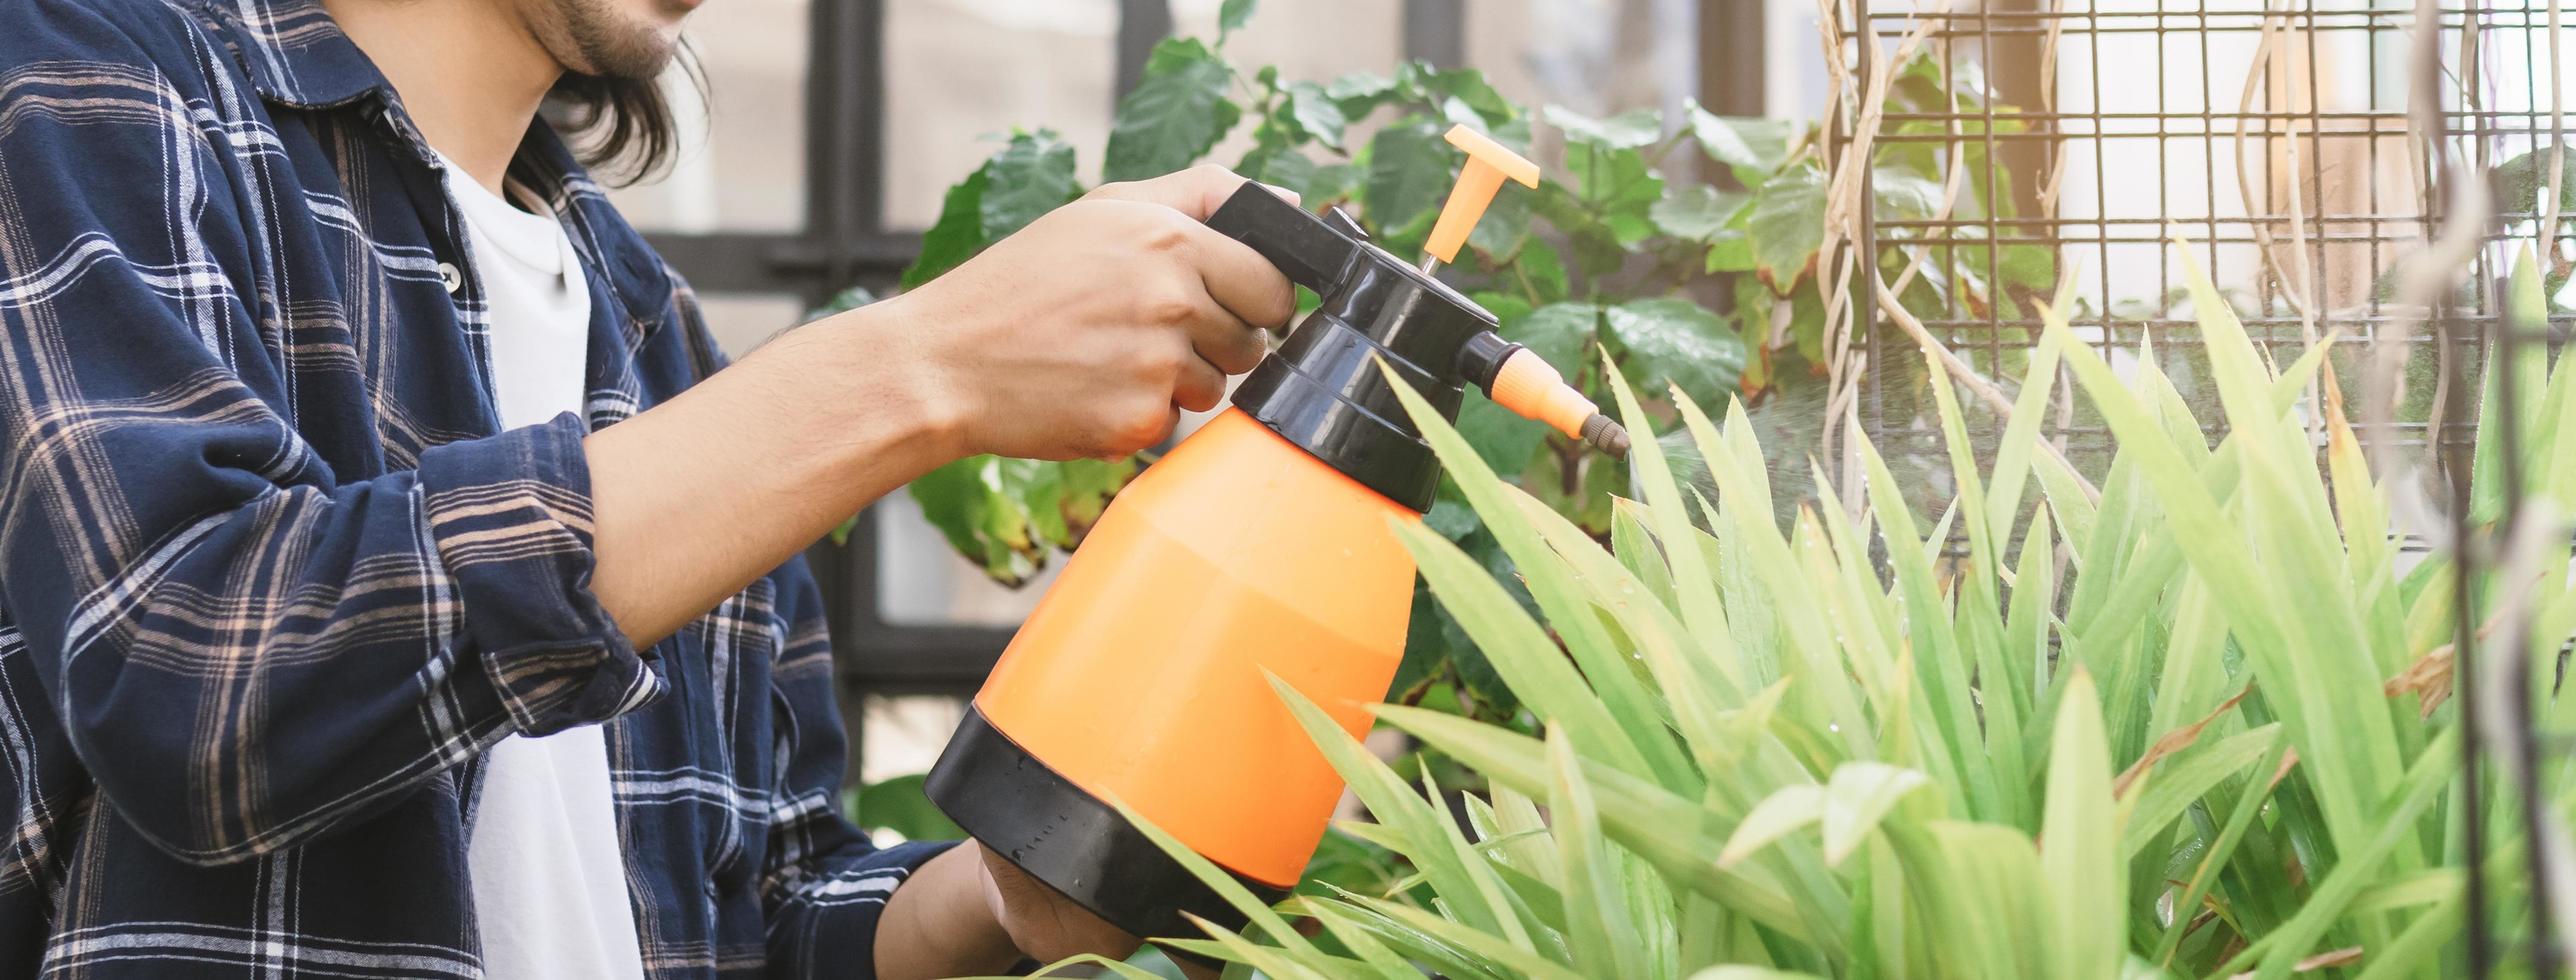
(624,129)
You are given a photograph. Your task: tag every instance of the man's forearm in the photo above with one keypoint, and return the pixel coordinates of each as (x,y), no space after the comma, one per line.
(938,923)
(701,495)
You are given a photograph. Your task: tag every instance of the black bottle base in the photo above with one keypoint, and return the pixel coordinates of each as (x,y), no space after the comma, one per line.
(1075,843)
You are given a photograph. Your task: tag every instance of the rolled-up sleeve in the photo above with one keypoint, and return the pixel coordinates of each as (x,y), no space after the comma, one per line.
(510,518)
(824,884)
(245,648)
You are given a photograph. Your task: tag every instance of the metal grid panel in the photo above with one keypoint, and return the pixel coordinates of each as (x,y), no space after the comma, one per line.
(2274,141)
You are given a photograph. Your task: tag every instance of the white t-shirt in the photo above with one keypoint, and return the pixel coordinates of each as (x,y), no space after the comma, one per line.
(549,876)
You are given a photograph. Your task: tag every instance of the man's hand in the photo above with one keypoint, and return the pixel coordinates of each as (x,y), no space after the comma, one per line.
(1042,922)
(1087,332)
(969,911)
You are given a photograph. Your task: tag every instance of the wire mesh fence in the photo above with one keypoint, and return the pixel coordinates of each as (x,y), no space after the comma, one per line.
(2364,171)
(2273,142)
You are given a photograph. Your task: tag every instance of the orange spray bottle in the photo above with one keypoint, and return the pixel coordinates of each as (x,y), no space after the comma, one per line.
(1263,542)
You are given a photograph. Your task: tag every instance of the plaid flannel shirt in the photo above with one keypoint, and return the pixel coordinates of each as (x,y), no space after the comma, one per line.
(270,576)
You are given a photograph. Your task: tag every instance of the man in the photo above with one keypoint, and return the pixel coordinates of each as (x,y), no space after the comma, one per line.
(390,586)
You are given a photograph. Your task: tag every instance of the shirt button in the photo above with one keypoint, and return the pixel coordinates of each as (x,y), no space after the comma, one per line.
(450,277)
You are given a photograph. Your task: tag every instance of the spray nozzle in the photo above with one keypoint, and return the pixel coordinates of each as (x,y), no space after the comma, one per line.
(1525,383)
(1512,376)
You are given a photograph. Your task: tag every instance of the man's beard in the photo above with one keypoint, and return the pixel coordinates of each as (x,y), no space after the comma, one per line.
(593,37)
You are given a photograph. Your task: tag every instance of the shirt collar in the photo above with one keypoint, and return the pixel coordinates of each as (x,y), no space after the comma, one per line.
(297,55)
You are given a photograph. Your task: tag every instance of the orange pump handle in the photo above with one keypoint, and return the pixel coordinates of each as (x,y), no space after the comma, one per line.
(1488,162)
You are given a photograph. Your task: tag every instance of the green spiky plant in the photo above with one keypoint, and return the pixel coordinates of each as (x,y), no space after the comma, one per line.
(2191,727)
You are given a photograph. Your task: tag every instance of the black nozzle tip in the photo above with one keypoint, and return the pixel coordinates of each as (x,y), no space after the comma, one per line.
(1605,435)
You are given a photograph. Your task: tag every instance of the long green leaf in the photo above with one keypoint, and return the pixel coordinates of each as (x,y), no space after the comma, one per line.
(2076,853)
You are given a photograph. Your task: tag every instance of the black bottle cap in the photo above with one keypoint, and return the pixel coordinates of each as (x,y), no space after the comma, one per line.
(1322,390)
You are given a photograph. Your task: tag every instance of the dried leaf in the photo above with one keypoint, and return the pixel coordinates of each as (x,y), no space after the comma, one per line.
(2428,678)
(2172,742)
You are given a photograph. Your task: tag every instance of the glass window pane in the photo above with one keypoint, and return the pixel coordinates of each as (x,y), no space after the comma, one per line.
(742,149)
(1793,74)
(923,582)
(1592,56)
(742,321)
(958,70)
(901,735)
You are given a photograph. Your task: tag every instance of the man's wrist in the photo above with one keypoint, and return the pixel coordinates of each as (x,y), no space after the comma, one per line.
(891,345)
(867,390)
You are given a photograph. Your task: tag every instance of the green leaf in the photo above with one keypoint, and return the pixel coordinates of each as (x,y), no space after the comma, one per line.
(1615,703)
(1408,171)
(1505,440)
(1786,811)
(1787,226)
(1494,697)
(1859,796)
(2165,793)
(1640,127)
(1695,211)
(1360,93)
(2031,267)
(1426,648)
(1754,148)
(1663,828)
(1730,250)
(964,500)
(956,236)
(1907,196)
(1232,16)
(1469,87)
(1672,341)
(1559,333)
(1616,189)
(2520,182)
(1282,166)
(1543,270)
(2079,834)
(1430,835)
(1225,886)
(1005,514)
(1177,112)
(1604,938)
(1316,113)
(1505,226)
(1032,175)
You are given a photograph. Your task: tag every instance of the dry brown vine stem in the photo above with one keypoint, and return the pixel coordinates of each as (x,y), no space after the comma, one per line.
(2536,525)
(2557,147)
(1834,261)
(2422,278)
(2275,31)
(1984,390)
(1842,213)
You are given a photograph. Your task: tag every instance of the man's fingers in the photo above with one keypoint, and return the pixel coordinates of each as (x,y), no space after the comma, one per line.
(1243,282)
(1196,192)
(1200,387)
